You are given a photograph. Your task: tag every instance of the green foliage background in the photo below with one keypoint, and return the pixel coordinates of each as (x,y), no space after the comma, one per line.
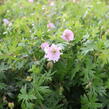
(79,80)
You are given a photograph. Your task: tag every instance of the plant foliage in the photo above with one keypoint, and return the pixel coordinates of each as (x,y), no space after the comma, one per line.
(80,78)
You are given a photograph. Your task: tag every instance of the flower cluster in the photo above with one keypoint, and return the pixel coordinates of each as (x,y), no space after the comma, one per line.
(53,52)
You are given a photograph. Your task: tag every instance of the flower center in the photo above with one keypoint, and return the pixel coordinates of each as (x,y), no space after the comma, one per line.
(53,51)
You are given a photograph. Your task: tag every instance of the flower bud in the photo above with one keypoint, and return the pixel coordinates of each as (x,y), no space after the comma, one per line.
(50,65)
(29,78)
(11,105)
(61,89)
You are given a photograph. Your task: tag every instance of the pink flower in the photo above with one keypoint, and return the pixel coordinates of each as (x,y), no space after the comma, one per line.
(50,26)
(31,1)
(68,35)
(44,45)
(6,21)
(53,53)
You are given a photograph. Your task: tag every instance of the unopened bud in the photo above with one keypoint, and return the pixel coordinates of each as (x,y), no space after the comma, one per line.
(11,105)
(29,78)
(50,65)
(61,89)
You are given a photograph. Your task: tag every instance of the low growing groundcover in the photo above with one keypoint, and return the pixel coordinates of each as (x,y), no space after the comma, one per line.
(54,54)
